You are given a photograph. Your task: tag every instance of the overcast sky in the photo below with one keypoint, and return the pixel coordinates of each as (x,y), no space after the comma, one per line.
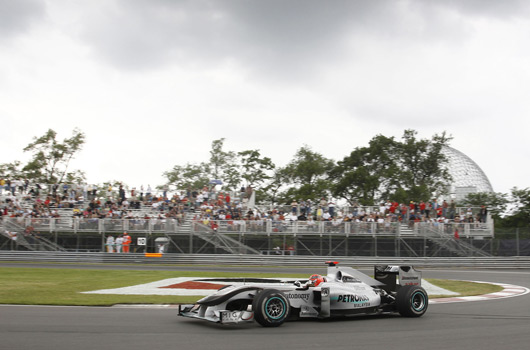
(153,82)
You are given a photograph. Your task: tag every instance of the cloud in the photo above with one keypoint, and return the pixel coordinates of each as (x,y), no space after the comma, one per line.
(17,17)
(272,39)
(278,41)
(282,38)
(506,9)
(271,75)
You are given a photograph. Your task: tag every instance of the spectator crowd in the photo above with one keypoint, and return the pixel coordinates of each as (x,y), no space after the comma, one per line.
(20,198)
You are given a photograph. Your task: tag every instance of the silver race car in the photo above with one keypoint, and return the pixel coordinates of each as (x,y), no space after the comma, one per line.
(343,292)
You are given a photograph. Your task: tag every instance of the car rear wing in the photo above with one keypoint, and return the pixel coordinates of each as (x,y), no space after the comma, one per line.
(397,276)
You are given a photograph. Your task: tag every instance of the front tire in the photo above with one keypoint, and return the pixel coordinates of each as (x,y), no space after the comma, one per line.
(412,301)
(271,308)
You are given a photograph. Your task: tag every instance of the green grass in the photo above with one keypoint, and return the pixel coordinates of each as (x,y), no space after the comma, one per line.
(41,286)
(465,288)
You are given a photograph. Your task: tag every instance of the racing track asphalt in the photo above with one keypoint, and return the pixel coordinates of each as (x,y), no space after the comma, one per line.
(493,324)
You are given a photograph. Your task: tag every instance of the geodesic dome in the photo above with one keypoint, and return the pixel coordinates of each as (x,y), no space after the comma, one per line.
(468,177)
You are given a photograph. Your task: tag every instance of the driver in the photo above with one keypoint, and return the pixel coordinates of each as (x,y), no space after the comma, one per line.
(315,280)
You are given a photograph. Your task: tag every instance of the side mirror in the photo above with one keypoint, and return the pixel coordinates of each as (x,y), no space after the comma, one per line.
(297,283)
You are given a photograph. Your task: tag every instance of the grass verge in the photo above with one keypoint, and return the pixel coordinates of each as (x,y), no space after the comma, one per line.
(40,286)
(464,288)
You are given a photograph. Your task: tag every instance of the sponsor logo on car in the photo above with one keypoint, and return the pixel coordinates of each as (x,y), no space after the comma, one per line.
(235,316)
(413,280)
(359,288)
(302,296)
(352,298)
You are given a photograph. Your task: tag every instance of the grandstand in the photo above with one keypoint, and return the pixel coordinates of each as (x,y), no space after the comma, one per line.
(209,224)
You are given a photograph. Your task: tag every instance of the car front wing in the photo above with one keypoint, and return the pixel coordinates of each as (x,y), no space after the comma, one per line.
(213,315)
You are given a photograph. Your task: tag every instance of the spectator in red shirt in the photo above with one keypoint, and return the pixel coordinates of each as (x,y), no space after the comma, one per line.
(422,207)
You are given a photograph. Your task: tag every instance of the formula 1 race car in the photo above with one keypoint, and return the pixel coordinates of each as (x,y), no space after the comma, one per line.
(343,292)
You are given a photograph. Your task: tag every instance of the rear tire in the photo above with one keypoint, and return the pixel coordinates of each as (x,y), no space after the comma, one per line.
(271,308)
(412,301)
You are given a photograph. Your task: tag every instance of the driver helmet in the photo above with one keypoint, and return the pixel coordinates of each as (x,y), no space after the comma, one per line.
(315,280)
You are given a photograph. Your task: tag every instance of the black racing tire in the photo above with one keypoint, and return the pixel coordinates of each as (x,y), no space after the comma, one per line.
(412,301)
(271,308)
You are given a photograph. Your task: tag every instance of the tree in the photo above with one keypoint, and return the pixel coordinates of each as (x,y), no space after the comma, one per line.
(408,169)
(367,173)
(519,213)
(221,161)
(272,192)
(497,203)
(423,173)
(255,169)
(191,176)
(306,176)
(11,170)
(51,158)
(231,168)
(405,170)
(195,176)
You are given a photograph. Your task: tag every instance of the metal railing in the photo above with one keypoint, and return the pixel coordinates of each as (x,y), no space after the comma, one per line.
(361,209)
(262,236)
(76,224)
(308,227)
(224,242)
(455,229)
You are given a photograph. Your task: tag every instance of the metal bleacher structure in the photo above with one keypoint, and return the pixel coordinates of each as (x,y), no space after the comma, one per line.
(68,233)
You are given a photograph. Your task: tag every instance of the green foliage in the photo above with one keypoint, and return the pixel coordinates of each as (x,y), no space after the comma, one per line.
(507,232)
(221,161)
(508,211)
(273,191)
(519,213)
(423,172)
(255,169)
(75,177)
(367,173)
(389,169)
(305,177)
(189,176)
(308,166)
(496,203)
(51,158)
(386,169)
(233,169)
(11,170)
